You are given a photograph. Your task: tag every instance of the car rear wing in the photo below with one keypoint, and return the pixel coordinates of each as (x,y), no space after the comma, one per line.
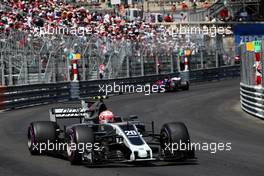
(67,113)
(75,112)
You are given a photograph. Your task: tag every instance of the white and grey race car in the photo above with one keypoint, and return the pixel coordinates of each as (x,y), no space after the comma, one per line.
(77,135)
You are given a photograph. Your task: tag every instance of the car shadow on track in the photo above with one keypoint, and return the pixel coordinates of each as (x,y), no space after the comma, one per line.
(116,164)
(132,164)
(155,164)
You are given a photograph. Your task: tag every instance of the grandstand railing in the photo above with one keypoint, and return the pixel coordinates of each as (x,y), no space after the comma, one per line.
(210,11)
(215,8)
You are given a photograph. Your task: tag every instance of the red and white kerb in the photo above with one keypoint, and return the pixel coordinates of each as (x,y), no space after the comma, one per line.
(186,67)
(75,70)
(258,70)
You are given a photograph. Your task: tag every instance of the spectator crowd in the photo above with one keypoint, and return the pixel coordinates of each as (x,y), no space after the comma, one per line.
(31,15)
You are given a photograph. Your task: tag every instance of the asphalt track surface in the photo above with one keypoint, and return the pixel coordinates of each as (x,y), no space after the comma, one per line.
(210,110)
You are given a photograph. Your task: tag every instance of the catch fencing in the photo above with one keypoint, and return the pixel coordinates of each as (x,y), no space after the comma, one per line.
(29,59)
(22,96)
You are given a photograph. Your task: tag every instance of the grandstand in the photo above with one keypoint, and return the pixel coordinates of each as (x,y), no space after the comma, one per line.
(231,10)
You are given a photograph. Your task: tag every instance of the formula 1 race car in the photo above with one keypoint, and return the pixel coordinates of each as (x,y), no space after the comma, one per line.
(79,135)
(173,84)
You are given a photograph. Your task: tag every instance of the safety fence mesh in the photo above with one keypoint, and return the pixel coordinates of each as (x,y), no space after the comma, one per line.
(27,59)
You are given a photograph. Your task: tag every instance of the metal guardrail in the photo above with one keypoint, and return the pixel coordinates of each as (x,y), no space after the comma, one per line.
(28,95)
(214,73)
(91,88)
(21,96)
(252,99)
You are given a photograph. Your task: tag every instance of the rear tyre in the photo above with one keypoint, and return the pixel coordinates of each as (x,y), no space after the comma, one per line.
(176,136)
(78,138)
(186,86)
(41,133)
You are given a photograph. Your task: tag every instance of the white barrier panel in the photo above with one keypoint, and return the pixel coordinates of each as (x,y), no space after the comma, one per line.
(252,100)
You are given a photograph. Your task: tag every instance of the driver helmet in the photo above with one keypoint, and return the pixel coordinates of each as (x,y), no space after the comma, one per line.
(106,117)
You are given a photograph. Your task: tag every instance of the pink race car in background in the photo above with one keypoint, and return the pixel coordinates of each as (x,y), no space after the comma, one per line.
(173,84)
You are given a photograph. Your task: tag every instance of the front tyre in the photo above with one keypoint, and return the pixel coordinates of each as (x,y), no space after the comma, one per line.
(39,135)
(175,142)
(78,138)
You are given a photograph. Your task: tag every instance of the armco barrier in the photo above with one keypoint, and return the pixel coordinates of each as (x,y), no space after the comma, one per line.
(28,95)
(252,99)
(214,74)
(91,88)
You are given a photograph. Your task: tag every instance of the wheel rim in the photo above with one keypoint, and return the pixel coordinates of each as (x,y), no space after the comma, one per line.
(165,139)
(69,149)
(30,138)
(90,157)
